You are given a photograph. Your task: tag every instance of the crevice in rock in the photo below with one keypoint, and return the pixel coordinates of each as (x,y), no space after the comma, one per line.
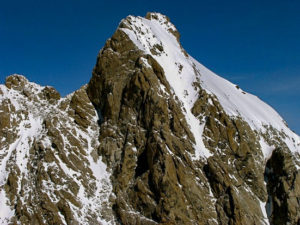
(269,204)
(283,198)
(142,164)
(99,115)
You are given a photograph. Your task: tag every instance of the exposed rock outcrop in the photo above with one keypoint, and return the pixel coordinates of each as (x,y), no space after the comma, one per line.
(153,138)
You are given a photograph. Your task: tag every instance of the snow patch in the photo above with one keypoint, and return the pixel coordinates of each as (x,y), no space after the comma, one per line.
(267,150)
(5,211)
(264,212)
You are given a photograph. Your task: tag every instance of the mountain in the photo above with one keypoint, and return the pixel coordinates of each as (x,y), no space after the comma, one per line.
(154,138)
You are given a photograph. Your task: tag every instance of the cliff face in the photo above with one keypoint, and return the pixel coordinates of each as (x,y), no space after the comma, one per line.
(153,138)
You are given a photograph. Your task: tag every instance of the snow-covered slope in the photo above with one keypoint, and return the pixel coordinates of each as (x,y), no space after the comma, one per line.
(183,71)
(29,112)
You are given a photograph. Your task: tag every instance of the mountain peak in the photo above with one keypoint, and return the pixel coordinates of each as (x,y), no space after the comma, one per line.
(153,138)
(143,28)
(157,16)
(155,35)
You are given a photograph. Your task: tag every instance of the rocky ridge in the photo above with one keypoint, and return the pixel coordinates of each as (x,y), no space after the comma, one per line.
(153,138)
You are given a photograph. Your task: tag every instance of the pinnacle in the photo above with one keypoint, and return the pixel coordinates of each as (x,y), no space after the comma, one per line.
(157,16)
(143,26)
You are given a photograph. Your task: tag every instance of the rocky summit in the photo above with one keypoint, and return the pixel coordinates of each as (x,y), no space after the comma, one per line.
(153,138)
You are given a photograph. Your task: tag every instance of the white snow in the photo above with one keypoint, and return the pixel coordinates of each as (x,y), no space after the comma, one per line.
(264,212)
(266,149)
(5,211)
(236,103)
(145,62)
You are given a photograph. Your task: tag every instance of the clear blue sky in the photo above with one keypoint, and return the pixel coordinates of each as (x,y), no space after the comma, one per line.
(255,44)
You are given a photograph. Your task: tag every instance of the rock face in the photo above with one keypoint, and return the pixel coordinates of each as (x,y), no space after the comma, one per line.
(49,161)
(153,138)
(283,184)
